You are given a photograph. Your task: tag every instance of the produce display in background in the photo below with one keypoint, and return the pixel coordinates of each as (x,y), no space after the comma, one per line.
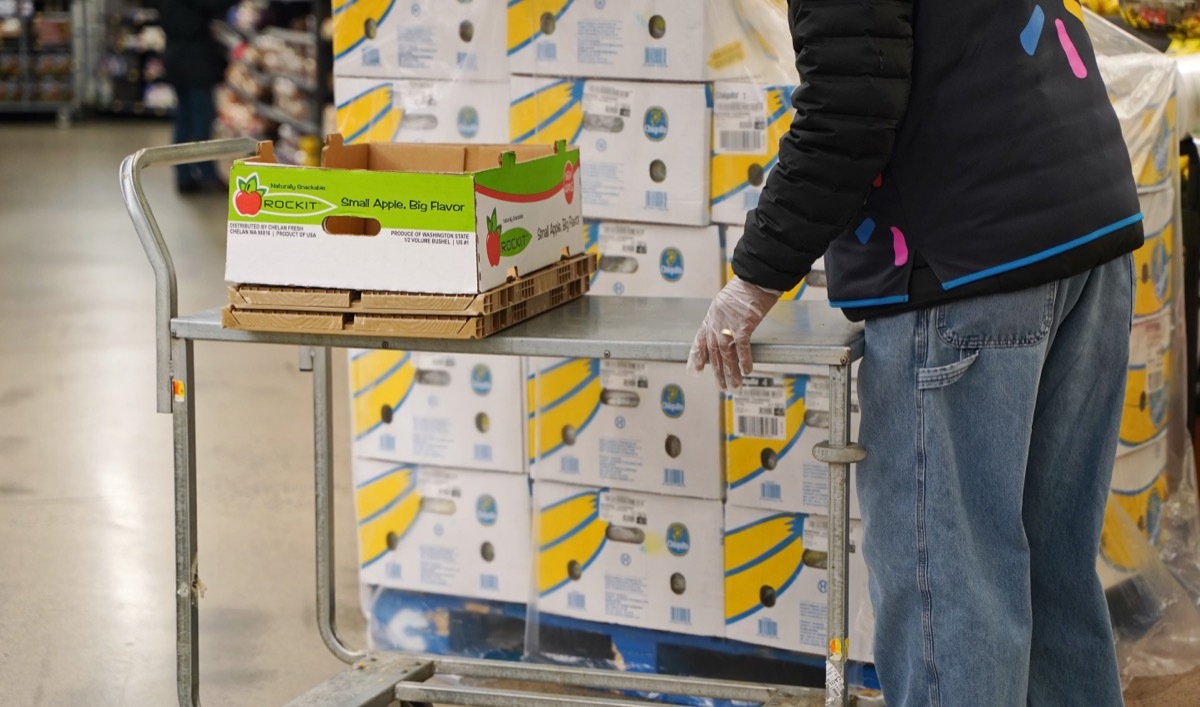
(36,62)
(272,89)
(131,76)
(1178,17)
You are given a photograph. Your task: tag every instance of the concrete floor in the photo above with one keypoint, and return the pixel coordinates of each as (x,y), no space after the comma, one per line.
(86,511)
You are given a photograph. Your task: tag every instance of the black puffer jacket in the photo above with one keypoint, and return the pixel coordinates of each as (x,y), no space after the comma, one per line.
(993,161)
(193,59)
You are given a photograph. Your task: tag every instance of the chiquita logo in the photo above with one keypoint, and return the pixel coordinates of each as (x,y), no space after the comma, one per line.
(672,401)
(655,124)
(679,540)
(468,122)
(485,510)
(481,380)
(251,199)
(670,264)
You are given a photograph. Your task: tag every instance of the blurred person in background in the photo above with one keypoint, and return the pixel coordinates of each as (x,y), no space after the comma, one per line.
(195,64)
(963,172)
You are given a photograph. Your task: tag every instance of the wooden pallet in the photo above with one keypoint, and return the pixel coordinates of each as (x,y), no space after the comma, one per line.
(416,326)
(244,298)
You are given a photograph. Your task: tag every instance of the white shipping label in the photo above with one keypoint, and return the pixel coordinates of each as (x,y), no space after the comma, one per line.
(760,408)
(740,121)
(606,100)
(439,484)
(619,238)
(623,375)
(419,94)
(622,509)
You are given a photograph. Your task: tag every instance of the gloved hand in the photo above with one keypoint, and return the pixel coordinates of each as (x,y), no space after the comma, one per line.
(724,337)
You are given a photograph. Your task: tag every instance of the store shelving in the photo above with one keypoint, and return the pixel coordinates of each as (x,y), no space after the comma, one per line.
(274,88)
(37,58)
(131,73)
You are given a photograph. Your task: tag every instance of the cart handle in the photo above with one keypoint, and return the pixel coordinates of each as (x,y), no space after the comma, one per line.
(166,290)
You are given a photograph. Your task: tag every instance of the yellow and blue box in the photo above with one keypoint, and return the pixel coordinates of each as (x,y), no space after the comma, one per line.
(643,147)
(1147,383)
(1154,264)
(636,559)
(447,531)
(813,288)
(386,110)
(649,260)
(454,410)
(1133,517)
(777,582)
(424,39)
(650,40)
(748,122)
(772,425)
(636,425)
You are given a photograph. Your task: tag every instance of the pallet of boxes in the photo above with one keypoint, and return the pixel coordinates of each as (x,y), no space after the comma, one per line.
(610,514)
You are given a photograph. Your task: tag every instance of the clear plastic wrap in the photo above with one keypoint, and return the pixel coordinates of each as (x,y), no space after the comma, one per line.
(1150,548)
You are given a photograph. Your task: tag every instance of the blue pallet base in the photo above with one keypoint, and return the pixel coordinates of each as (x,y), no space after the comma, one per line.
(452,626)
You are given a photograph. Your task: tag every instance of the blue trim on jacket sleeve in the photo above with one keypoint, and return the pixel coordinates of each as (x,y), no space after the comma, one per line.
(1045,254)
(877,302)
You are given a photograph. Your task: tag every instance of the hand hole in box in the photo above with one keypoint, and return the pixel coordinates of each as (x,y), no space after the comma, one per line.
(371,28)
(488,552)
(674,446)
(466,31)
(385,414)
(658,26)
(766,596)
(678,583)
(770,459)
(658,171)
(624,534)
(483,423)
(754,175)
(351,226)
(549,23)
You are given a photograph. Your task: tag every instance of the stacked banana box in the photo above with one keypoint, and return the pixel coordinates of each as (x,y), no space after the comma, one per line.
(677,108)
(420,71)
(1143,90)
(622,498)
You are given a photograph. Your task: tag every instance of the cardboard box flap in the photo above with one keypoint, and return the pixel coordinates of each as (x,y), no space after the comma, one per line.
(250,297)
(423,326)
(427,157)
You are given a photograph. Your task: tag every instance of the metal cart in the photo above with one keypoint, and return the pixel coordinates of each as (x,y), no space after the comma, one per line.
(594,327)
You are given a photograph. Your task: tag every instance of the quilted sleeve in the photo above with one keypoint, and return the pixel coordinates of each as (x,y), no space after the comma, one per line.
(855,62)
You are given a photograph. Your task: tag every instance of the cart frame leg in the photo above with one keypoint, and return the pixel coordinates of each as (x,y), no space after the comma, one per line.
(321,360)
(839,453)
(187,582)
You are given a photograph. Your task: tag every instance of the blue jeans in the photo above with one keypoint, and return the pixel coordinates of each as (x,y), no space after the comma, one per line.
(194,116)
(991,428)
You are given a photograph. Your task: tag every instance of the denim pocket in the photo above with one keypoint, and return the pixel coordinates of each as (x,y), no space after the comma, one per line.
(1008,320)
(942,376)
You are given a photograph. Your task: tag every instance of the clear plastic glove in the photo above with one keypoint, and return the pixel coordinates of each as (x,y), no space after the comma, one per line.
(724,337)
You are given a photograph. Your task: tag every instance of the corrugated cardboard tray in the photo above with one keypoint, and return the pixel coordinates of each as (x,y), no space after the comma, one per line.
(244,298)
(417,326)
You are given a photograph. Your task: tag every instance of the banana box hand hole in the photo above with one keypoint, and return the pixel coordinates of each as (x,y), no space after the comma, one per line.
(678,584)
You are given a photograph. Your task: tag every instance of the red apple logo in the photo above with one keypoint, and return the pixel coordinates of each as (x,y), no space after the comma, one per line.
(493,239)
(569,181)
(248,199)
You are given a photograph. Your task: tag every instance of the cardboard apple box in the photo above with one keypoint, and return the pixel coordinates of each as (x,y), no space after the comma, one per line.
(430,218)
